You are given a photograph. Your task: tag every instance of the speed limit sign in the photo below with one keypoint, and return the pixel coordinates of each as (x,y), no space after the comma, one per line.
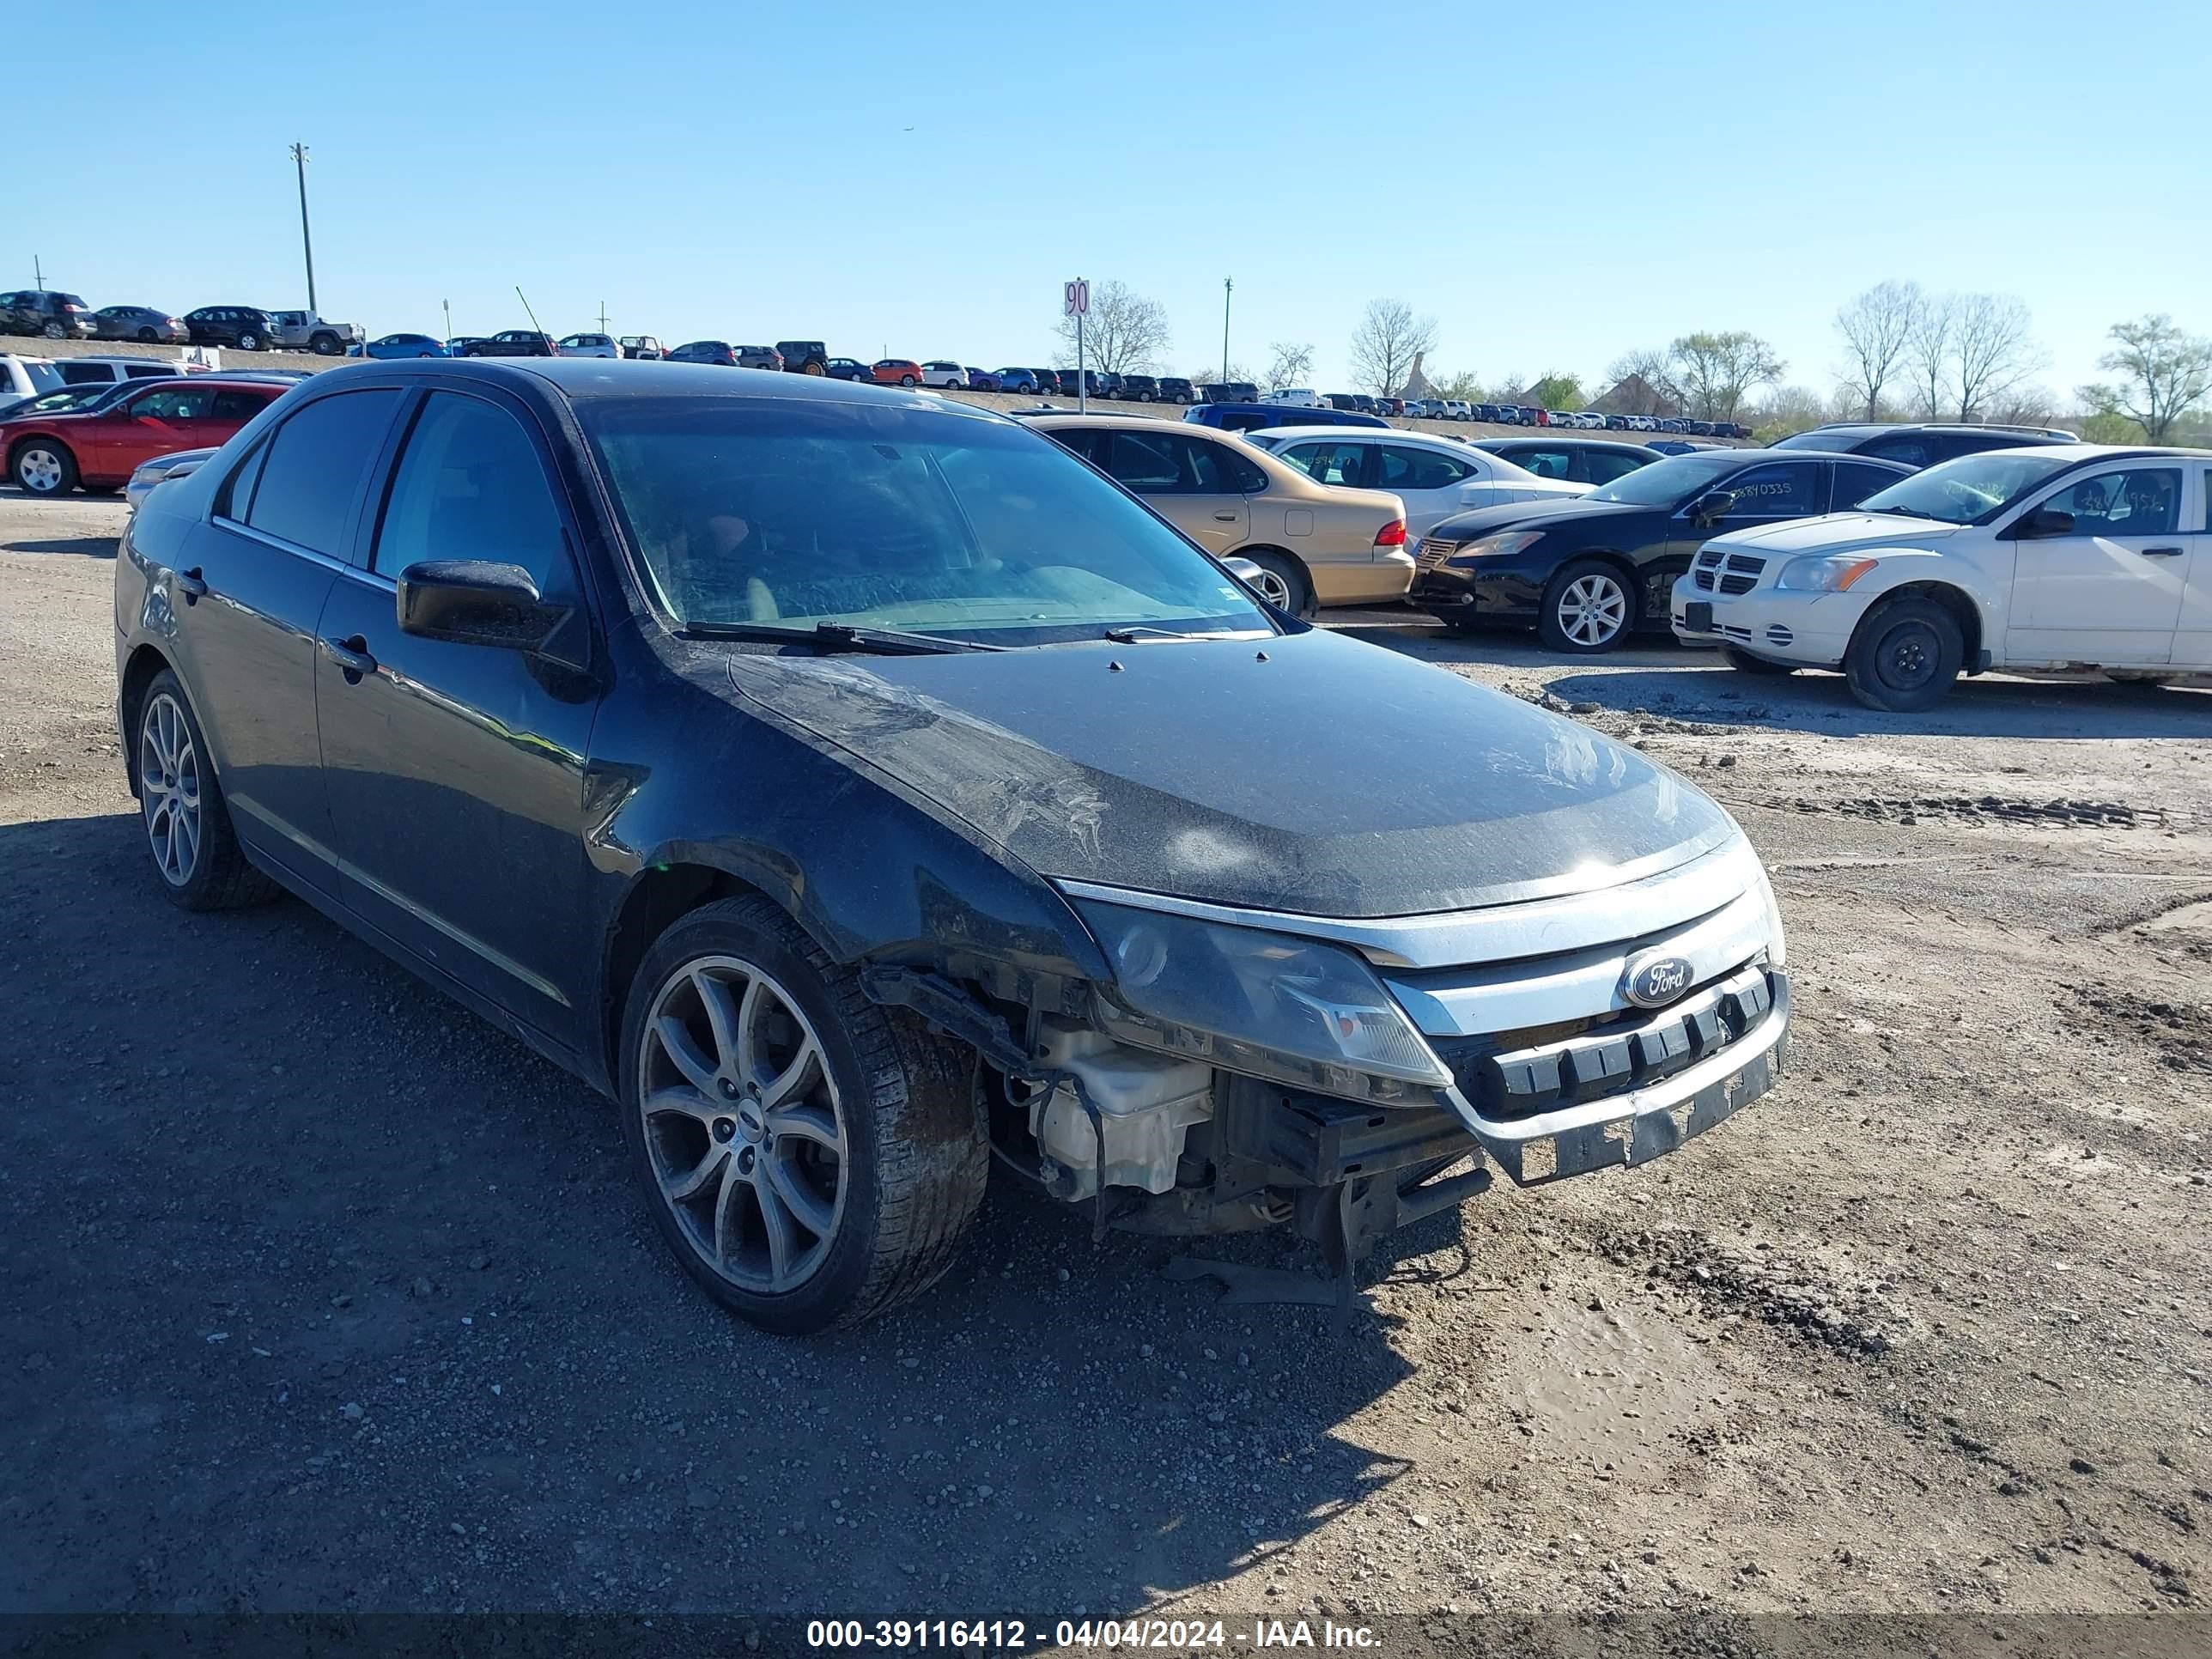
(1076,298)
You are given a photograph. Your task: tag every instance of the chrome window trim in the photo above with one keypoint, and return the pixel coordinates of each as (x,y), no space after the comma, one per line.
(1567,919)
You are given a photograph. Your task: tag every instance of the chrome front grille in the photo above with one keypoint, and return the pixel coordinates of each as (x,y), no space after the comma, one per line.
(1434,553)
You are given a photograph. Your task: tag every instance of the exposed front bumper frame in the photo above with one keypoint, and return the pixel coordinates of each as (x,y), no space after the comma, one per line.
(1644,1123)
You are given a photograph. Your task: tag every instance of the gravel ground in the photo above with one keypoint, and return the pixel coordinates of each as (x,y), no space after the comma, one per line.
(324,1296)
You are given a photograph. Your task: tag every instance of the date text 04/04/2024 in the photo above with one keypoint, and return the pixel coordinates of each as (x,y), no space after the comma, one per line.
(1172,1634)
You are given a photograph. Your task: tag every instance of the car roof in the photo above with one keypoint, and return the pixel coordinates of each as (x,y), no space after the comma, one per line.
(1340,430)
(598,378)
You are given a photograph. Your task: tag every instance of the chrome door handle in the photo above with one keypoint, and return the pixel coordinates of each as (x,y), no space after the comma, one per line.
(2161,552)
(352,656)
(190,584)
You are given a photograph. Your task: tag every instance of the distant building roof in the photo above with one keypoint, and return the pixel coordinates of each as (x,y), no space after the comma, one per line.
(1635,395)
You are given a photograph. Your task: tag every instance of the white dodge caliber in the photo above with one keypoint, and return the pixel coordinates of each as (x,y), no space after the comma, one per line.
(2067,558)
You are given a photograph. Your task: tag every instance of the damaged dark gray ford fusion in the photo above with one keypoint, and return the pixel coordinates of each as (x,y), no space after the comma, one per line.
(852,783)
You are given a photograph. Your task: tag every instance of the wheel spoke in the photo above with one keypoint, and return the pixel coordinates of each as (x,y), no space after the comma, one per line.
(815,1123)
(680,1102)
(676,1043)
(812,1212)
(721,1018)
(726,1204)
(679,1187)
(775,1222)
(744,1052)
(787,1083)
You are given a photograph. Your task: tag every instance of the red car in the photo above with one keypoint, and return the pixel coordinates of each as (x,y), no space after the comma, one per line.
(896,371)
(52,454)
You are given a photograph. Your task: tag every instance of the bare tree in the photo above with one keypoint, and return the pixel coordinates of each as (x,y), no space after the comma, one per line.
(2168,373)
(1928,355)
(1388,340)
(1290,365)
(1789,409)
(1992,350)
(1124,331)
(1712,372)
(1878,329)
(1650,366)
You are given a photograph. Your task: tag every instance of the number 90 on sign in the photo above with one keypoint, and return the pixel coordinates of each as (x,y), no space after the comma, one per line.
(1076,296)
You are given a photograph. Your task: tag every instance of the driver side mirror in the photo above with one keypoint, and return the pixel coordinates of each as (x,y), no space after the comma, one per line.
(1711,506)
(2043,524)
(475,602)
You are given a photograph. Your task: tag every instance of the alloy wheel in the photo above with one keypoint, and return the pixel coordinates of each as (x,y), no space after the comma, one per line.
(742,1124)
(169,788)
(1592,609)
(1270,586)
(39,470)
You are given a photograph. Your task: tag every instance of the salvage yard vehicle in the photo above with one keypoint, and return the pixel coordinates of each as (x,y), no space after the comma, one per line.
(1433,477)
(1315,545)
(2059,558)
(1589,572)
(303,330)
(467,654)
(101,446)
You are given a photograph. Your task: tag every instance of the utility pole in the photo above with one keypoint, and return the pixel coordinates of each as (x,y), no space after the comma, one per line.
(1228,285)
(448,304)
(306,243)
(603,316)
(37,274)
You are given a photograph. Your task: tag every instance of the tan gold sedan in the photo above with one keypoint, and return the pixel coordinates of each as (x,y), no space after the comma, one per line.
(1314,545)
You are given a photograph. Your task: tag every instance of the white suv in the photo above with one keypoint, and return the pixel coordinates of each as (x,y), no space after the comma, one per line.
(1297,397)
(2064,558)
(945,374)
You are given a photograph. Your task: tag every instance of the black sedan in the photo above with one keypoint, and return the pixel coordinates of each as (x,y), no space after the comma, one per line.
(512,343)
(853,785)
(1588,570)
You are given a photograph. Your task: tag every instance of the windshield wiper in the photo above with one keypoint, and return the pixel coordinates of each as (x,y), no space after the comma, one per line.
(1130,633)
(838,637)
(1909,513)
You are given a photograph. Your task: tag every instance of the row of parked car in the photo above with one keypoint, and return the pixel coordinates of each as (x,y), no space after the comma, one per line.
(53,314)
(1456,409)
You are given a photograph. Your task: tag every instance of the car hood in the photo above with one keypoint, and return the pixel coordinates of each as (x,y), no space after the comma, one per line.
(1308,774)
(1534,515)
(1836,532)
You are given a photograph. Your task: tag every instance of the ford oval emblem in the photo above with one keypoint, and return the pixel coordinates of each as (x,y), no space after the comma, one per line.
(1655,979)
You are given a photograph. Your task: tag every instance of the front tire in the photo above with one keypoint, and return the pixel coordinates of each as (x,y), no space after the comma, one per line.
(1588,607)
(811,1157)
(196,853)
(43,467)
(1905,655)
(1744,663)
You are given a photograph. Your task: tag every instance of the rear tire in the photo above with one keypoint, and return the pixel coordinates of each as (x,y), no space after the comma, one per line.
(906,379)
(324,345)
(146,337)
(1904,656)
(824,1207)
(1588,607)
(196,857)
(816,369)
(1744,663)
(53,331)
(1283,583)
(249,343)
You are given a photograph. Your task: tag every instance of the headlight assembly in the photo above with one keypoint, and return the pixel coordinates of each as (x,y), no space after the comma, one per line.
(1505,543)
(1264,1004)
(1823,575)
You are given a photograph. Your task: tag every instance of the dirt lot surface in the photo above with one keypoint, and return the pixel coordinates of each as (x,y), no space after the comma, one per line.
(322,1295)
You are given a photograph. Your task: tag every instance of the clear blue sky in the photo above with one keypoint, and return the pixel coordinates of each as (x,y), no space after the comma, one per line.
(1555,182)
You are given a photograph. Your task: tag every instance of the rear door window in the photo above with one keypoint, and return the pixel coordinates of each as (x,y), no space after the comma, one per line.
(1855,482)
(1603,466)
(1912,451)
(318,462)
(1407,468)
